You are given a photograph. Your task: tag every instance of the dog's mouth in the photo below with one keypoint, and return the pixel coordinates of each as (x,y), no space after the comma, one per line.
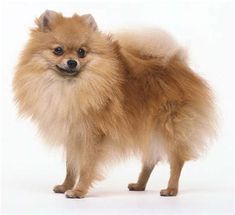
(66,72)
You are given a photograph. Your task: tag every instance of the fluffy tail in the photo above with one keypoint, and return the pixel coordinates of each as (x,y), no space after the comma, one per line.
(189,123)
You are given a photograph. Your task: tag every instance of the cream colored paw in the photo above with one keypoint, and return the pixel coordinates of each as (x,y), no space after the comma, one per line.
(75,194)
(169,192)
(60,189)
(135,187)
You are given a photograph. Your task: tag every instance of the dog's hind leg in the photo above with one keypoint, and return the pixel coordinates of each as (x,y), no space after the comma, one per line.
(176,166)
(143,178)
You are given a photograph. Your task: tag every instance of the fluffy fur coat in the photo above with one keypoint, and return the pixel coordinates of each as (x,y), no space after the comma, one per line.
(134,94)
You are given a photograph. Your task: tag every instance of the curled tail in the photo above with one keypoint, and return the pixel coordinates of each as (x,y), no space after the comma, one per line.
(188,123)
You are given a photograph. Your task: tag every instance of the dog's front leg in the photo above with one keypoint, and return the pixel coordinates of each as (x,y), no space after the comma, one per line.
(89,167)
(71,170)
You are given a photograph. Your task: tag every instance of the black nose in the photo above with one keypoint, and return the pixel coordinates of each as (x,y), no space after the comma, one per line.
(72,64)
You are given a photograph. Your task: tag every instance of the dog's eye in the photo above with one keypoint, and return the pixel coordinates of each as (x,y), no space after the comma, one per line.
(81,53)
(58,51)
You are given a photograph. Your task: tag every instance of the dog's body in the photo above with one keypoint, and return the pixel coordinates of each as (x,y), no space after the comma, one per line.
(130,95)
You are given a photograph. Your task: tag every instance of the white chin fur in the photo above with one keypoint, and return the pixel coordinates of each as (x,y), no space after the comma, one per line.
(151,42)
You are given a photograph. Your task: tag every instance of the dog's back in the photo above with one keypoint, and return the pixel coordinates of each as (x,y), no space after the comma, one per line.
(184,108)
(150,42)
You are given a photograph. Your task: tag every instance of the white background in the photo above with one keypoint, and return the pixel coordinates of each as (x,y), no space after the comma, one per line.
(29,169)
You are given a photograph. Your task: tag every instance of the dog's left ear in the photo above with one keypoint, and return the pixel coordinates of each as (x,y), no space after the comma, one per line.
(89,20)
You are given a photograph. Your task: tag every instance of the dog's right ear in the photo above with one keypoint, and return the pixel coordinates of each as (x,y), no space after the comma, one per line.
(46,20)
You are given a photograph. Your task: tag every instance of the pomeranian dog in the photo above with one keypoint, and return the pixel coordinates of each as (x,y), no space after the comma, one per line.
(105,97)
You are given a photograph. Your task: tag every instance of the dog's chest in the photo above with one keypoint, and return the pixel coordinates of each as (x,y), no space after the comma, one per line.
(57,111)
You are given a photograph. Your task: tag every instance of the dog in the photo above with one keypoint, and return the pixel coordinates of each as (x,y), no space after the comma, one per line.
(104,97)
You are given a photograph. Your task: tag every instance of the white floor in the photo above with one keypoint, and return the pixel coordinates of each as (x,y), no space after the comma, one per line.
(29,190)
(109,201)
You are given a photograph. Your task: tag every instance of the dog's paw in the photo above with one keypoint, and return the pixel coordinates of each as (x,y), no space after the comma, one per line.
(75,194)
(169,192)
(60,189)
(135,187)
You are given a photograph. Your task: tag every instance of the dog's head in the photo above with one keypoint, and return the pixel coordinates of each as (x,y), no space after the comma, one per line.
(68,45)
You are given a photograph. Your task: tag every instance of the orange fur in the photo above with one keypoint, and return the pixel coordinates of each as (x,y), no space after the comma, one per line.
(126,98)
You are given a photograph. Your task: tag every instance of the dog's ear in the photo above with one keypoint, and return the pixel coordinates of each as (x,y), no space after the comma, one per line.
(89,20)
(46,20)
